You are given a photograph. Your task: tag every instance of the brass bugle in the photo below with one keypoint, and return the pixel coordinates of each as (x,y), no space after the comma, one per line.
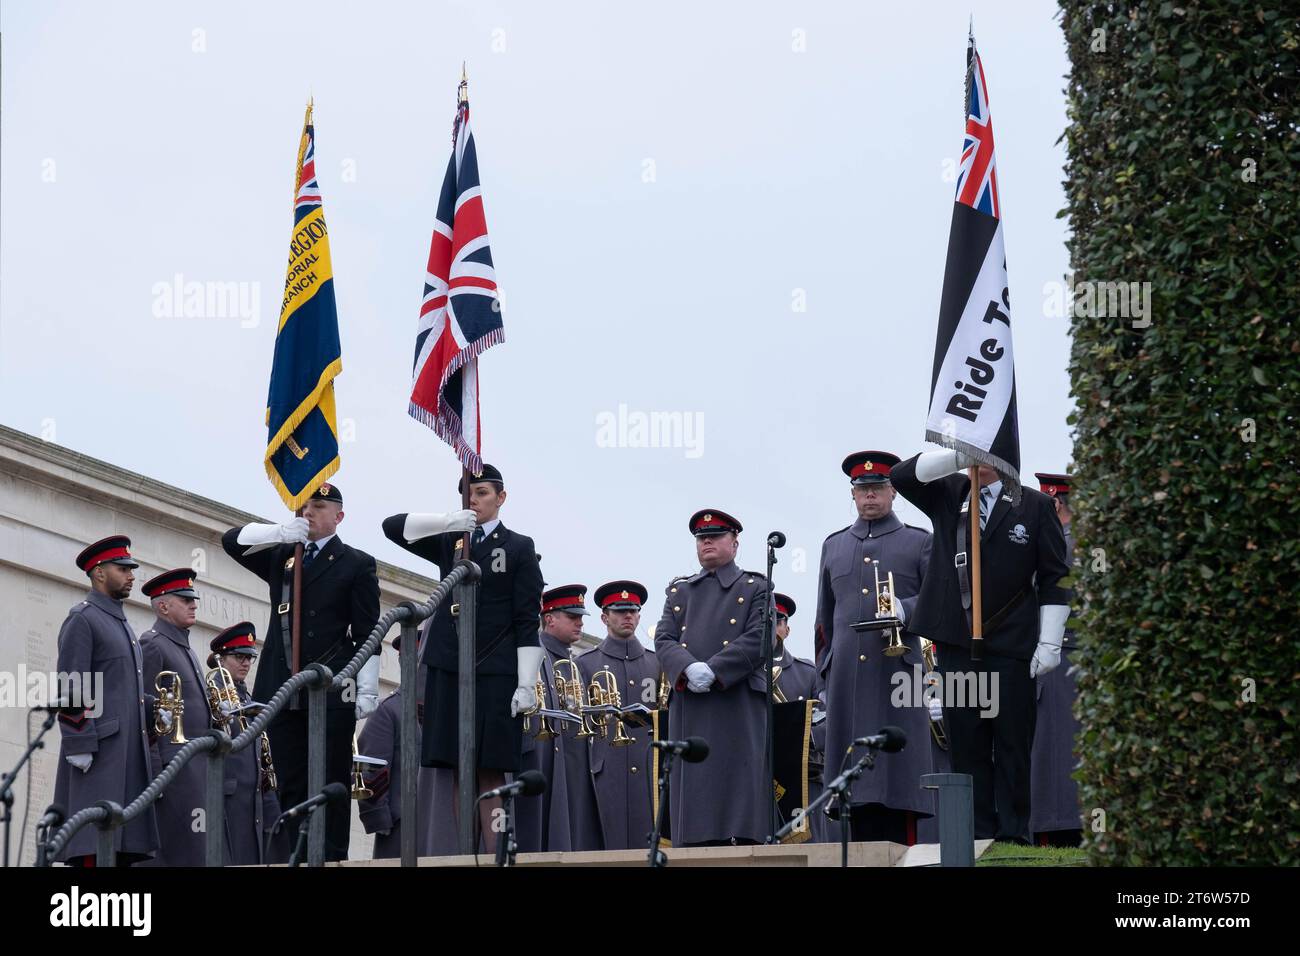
(886,607)
(609,696)
(570,689)
(171,701)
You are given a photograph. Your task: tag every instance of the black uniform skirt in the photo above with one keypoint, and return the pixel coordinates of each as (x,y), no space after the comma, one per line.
(500,736)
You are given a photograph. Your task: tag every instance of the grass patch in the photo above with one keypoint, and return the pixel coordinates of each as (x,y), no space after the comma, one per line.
(1012,854)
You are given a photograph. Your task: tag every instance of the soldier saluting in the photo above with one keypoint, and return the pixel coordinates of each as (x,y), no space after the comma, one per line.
(105,749)
(1024,609)
(507,649)
(709,642)
(340,604)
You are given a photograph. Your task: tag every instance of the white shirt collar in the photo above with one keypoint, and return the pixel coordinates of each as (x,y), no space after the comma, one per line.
(994,490)
(321,542)
(490,526)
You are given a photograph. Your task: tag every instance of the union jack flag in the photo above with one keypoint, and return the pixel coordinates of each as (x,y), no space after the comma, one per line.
(977,175)
(308,194)
(973,380)
(460,316)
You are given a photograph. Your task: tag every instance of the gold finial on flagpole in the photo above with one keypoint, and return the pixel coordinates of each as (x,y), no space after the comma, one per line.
(463,93)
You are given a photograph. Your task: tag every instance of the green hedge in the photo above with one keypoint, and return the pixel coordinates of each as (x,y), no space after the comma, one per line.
(1182,168)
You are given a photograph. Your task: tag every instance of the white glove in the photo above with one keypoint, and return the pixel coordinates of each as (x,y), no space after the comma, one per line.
(902,611)
(935,706)
(368,687)
(1051,633)
(932,465)
(423,525)
(258,537)
(699,677)
(527,660)
(81,761)
(165,718)
(226,708)
(524,701)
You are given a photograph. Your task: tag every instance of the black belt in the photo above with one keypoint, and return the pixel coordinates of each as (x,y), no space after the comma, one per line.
(282,608)
(961,560)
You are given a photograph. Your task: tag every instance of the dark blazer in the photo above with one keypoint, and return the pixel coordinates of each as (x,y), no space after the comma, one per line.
(1022,549)
(509,596)
(340,605)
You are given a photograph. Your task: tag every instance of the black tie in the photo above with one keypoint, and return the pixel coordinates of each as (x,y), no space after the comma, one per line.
(986,505)
(476,538)
(309,554)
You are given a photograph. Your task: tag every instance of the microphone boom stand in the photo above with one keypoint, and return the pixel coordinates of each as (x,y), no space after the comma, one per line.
(769,752)
(836,790)
(7,781)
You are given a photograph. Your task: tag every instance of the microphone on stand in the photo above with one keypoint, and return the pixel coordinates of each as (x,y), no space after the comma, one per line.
(528,784)
(692,749)
(891,739)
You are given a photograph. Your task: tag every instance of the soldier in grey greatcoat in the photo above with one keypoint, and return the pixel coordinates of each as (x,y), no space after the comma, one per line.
(865,689)
(104,753)
(381,736)
(166,647)
(798,678)
(381,814)
(709,643)
(1054,815)
(563,817)
(622,774)
(252,806)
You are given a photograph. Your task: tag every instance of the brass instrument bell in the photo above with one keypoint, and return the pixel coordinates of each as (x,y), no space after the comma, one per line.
(937,727)
(221,689)
(610,697)
(544,729)
(172,701)
(886,607)
(360,790)
(568,693)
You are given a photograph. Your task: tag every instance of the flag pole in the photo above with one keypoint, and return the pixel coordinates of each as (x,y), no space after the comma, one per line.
(297,608)
(296,596)
(977,598)
(297,604)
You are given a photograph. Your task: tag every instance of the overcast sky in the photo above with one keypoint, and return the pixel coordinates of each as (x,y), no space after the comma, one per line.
(737,212)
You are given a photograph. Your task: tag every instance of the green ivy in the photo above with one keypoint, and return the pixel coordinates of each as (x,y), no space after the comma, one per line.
(1183,158)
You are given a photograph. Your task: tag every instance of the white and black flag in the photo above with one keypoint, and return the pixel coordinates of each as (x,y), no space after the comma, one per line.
(973,386)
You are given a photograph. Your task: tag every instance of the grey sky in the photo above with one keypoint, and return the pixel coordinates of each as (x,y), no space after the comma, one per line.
(129,156)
